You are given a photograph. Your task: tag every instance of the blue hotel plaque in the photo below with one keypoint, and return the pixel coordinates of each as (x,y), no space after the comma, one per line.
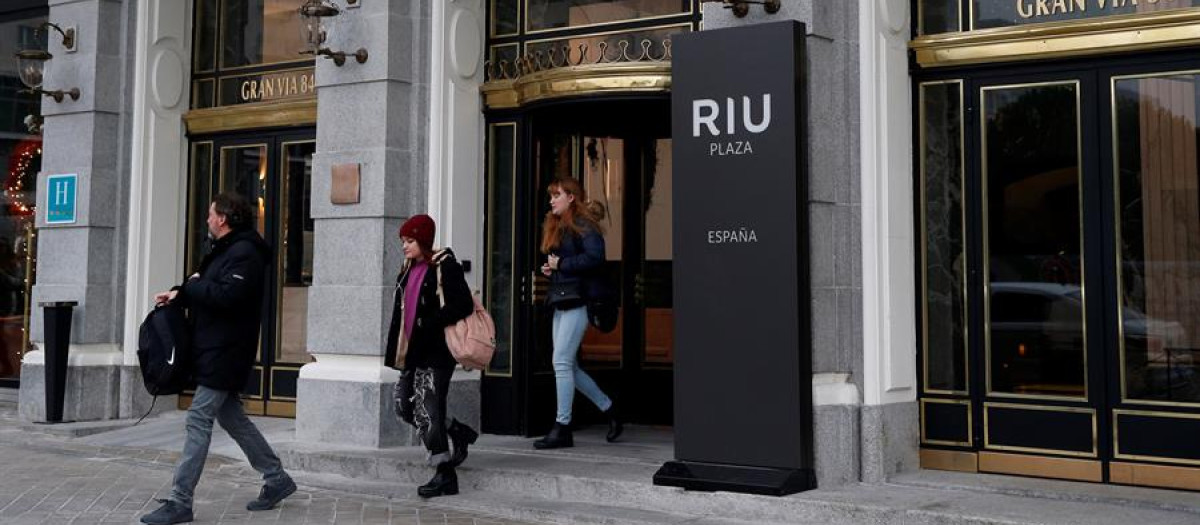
(61,198)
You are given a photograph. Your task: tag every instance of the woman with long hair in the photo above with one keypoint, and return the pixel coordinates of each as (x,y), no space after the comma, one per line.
(416,346)
(574,249)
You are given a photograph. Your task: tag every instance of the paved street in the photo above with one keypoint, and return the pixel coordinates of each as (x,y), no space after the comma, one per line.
(49,481)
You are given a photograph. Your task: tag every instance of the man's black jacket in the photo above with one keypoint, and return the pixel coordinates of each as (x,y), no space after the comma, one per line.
(225,305)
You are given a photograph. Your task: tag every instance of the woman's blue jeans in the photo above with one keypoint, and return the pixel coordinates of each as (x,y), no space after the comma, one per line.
(567,331)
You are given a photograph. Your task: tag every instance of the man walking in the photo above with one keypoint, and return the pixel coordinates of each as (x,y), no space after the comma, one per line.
(224,302)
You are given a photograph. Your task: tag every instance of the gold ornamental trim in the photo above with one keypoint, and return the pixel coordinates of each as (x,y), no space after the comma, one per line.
(1076,38)
(573,81)
(252,116)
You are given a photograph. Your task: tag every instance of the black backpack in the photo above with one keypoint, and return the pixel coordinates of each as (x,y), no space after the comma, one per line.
(165,351)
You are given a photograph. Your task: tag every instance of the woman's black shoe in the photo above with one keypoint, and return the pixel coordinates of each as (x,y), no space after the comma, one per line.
(615,426)
(462,436)
(559,437)
(444,483)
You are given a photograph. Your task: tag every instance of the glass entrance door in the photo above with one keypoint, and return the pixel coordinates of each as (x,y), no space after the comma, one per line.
(620,153)
(1060,227)
(273,171)
(1034,170)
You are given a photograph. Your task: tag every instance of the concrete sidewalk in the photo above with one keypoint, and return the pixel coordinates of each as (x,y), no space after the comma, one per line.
(602,483)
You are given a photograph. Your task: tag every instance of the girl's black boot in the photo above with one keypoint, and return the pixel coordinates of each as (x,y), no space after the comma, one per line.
(462,436)
(615,426)
(559,437)
(444,483)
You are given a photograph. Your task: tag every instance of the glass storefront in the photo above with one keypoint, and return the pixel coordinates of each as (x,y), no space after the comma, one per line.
(1060,256)
(20,158)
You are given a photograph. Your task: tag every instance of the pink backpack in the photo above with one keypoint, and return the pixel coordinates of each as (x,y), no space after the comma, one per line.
(472,341)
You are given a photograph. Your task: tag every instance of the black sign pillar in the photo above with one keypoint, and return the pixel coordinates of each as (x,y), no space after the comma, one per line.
(58,340)
(743,365)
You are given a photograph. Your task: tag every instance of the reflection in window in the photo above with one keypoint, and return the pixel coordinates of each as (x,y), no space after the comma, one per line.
(296,242)
(604,179)
(939,16)
(260,32)
(244,170)
(945,276)
(551,14)
(500,286)
(1033,240)
(505,16)
(205,39)
(201,195)
(1159,236)
(21,160)
(655,283)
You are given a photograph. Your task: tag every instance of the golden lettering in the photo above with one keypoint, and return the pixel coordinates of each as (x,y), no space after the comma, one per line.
(1032,9)
(274,86)
(1025,8)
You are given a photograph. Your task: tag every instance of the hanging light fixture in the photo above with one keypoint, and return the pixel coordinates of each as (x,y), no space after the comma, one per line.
(31,66)
(313,30)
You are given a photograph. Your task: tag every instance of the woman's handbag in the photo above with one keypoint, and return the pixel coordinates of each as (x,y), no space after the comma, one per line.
(472,340)
(603,313)
(562,291)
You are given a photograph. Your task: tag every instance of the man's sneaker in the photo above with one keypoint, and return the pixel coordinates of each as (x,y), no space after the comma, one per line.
(270,496)
(169,513)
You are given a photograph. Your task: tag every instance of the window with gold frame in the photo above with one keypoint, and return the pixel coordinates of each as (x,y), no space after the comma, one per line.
(946,16)
(518,28)
(246,51)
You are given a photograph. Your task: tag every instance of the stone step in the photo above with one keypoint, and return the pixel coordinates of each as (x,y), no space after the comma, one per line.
(8,396)
(518,508)
(582,486)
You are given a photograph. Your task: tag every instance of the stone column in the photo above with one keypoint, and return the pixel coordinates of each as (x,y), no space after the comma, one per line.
(158,175)
(890,415)
(77,262)
(376,115)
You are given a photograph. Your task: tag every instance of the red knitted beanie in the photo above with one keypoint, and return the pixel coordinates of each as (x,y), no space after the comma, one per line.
(419,228)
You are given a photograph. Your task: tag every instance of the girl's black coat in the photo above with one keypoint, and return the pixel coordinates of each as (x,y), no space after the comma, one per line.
(427,344)
(581,259)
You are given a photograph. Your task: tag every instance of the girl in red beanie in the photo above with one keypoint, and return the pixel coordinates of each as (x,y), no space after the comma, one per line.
(416,346)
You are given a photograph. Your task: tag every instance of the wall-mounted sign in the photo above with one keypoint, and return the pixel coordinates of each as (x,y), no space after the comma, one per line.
(61,198)
(266,87)
(1018,12)
(741,291)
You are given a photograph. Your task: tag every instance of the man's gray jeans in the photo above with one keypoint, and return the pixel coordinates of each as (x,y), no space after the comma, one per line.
(226,409)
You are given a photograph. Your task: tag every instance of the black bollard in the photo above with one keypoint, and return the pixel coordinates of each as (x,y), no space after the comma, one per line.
(58,340)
